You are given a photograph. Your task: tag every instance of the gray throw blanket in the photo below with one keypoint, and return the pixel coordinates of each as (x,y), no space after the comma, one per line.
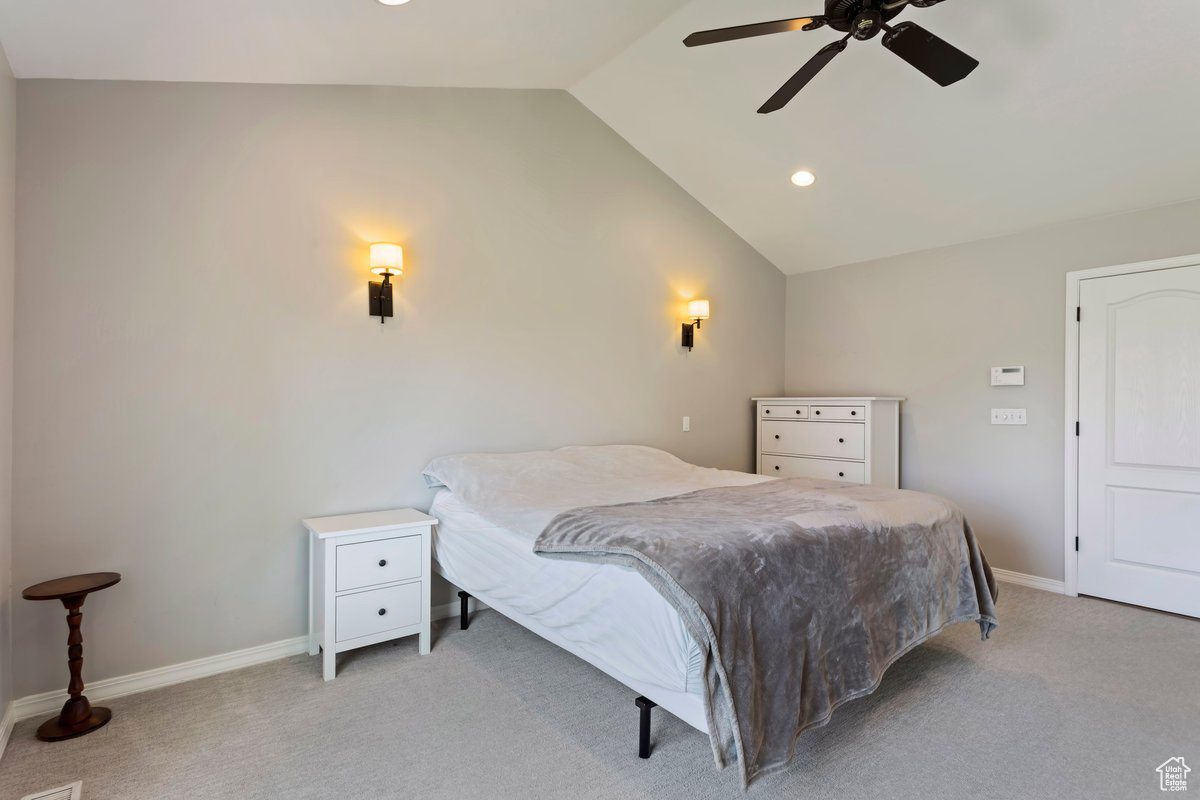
(800,592)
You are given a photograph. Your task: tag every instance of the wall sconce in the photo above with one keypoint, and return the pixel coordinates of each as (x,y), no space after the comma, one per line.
(387,259)
(697,310)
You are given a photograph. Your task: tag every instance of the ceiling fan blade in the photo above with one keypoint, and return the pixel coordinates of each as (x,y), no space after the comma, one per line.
(746,31)
(938,59)
(801,78)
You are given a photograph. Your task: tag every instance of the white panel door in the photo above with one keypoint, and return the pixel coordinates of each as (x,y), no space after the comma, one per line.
(1139,446)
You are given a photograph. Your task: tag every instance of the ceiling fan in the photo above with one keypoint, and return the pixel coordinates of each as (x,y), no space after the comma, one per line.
(862,20)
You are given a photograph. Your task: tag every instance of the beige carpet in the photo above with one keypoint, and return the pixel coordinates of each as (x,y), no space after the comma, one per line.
(1070,699)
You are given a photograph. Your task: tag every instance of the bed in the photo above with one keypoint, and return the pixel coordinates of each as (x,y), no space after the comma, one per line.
(557,542)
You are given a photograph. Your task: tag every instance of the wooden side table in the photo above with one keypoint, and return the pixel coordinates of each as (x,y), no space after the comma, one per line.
(77,717)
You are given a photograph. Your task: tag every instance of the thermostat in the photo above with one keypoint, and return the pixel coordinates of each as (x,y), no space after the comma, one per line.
(1008,376)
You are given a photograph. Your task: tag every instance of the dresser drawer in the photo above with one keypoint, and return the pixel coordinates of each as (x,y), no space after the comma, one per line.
(822,439)
(784,412)
(378,610)
(792,467)
(846,413)
(382,561)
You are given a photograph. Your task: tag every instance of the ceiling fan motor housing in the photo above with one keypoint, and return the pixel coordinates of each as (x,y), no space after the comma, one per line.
(847,15)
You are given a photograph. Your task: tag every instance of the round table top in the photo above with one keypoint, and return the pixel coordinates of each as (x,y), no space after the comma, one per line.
(73,586)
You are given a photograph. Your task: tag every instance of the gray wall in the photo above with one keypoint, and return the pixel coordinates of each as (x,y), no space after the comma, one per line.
(930,325)
(196,370)
(8,146)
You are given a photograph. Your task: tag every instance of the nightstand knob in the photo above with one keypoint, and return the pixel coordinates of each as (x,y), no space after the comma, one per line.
(840,441)
(383,562)
(768,411)
(777,469)
(854,413)
(382,611)
(777,436)
(797,411)
(818,413)
(841,474)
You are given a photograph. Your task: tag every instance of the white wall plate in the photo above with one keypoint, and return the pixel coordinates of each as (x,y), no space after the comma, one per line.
(1008,376)
(1009,416)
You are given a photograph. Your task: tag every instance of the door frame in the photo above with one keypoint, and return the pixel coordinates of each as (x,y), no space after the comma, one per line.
(1071,444)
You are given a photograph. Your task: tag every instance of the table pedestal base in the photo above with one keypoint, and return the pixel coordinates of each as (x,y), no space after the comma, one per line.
(77,716)
(76,719)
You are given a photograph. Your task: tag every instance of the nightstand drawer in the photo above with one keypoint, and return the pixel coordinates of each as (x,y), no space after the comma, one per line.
(378,610)
(820,439)
(791,467)
(373,563)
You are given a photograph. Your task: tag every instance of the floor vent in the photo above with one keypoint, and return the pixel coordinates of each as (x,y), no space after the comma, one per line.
(72,792)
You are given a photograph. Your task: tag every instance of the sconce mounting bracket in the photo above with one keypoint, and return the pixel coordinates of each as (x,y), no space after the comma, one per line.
(381,298)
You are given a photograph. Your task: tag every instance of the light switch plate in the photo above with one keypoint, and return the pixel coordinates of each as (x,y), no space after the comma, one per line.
(687,424)
(1009,416)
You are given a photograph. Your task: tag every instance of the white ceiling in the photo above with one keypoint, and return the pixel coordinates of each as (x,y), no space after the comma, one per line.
(1080,108)
(497,43)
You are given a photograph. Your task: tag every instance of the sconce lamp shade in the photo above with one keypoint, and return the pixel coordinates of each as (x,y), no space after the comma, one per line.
(698,309)
(387,259)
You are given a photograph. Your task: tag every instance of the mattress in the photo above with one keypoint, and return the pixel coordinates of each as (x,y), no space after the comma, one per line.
(607,615)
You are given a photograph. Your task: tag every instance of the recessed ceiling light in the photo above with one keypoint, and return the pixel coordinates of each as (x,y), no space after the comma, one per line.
(804,178)
(393,2)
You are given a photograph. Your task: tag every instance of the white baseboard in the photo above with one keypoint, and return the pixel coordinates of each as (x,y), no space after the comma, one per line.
(38,704)
(1032,581)
(6,726)
(110,688)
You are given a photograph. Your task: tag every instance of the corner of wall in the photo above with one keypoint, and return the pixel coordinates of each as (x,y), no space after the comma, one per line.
(8,111)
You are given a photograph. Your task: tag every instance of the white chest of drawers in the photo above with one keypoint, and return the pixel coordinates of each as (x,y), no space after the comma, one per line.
(852,439)
(369,579)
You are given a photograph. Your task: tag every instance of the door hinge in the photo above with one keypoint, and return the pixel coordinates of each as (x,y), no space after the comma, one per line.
(1079,313)
(1076,544)
(1076,428)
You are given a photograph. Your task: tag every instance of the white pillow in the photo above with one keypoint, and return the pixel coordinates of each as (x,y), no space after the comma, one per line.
(524,491)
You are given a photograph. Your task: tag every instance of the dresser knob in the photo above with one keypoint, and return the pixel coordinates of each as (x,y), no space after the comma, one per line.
(818,413)
(854,413)
(768,411)
(777,469)
(841,474)
(382,611)
(797,411)
(383,562)
(777,436)
(840,441)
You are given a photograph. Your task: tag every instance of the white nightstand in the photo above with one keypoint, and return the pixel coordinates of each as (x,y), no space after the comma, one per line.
(368,580)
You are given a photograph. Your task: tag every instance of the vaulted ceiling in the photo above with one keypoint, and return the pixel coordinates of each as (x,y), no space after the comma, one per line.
(481,43)
(1079,109)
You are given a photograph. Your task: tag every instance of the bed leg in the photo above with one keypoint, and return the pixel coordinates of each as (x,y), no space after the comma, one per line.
(646,705)
(464,619)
